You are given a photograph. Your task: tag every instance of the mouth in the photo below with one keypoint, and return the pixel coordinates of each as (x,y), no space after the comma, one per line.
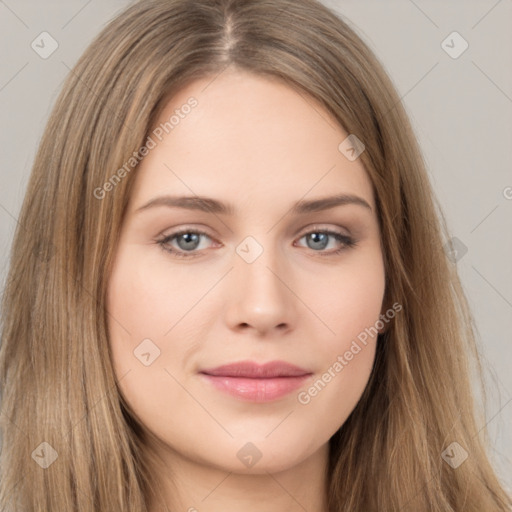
(250,381)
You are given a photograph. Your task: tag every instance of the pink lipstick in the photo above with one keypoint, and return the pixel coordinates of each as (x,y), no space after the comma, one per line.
(253,382)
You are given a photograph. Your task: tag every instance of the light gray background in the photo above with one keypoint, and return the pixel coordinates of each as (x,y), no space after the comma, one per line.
(461,110)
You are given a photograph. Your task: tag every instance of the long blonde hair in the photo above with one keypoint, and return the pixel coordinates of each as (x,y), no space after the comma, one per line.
(56,377)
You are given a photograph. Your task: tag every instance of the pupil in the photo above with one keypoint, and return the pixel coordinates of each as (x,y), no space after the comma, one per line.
(320,238)
(190,240)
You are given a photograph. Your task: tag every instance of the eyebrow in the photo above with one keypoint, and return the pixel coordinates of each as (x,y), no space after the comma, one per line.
(210,205)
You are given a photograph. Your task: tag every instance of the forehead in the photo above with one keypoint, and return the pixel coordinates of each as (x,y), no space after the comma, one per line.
(253,137)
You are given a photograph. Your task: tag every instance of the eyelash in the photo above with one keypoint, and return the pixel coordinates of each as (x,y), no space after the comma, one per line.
(347,242)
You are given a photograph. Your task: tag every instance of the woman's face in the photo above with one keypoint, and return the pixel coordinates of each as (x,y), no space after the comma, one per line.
(262,282)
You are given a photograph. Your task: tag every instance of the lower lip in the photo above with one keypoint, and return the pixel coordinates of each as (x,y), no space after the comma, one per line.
(256,390)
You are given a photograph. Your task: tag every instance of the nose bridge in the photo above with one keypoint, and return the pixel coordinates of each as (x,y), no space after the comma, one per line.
(259,264)
(259,296)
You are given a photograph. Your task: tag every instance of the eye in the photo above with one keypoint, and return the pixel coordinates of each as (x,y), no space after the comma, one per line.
(188,242)
(318,240)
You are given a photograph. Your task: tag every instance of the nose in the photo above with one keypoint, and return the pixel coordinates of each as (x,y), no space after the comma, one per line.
(260,297)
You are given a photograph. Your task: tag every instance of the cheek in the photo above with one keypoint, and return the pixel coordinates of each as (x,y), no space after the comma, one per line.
(349,300)
(140,313)
(349,306)
(346,357)
(145,299)
(137,316)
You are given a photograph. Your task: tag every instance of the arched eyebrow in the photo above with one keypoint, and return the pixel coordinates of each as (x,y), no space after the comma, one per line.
(210,205)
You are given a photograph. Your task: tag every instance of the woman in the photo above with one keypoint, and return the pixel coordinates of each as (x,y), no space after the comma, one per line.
(229,286)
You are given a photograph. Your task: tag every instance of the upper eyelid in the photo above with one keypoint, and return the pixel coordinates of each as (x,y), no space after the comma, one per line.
(311,229)
(304,231)
(312,226)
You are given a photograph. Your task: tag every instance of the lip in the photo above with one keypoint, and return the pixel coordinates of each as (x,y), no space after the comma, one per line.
(253,370)
(250,381)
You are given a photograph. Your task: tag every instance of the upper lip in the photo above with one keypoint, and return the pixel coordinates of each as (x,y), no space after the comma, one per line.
(251,369)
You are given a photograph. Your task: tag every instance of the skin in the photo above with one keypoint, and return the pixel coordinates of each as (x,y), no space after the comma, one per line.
(261,145)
